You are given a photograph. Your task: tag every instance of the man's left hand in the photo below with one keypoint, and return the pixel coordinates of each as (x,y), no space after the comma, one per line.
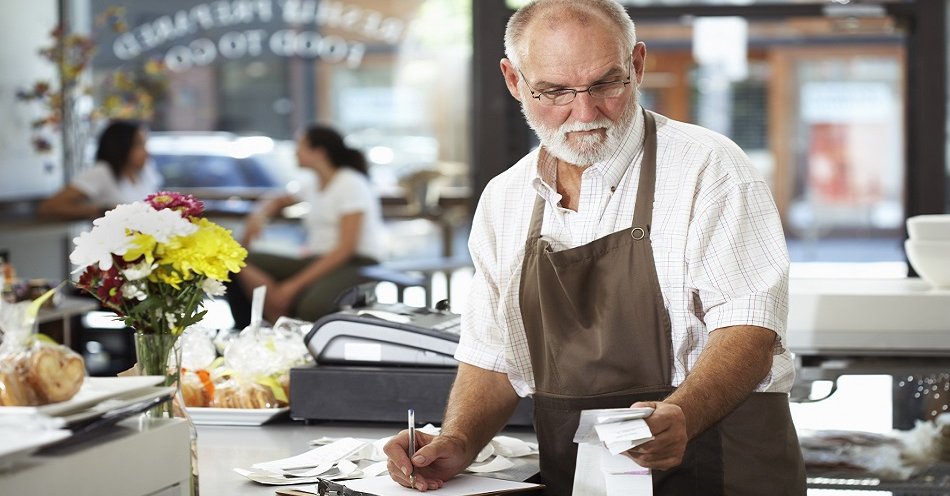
(668,425)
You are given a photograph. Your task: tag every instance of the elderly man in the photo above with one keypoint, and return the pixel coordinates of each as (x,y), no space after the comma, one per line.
(631,260)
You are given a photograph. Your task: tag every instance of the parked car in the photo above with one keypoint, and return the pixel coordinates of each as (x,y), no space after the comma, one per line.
(217,160)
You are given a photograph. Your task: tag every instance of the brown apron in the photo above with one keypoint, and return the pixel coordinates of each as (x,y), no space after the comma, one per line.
(599,337)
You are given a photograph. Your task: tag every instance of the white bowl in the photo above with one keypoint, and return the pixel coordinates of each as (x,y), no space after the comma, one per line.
(931,260)
(932,227)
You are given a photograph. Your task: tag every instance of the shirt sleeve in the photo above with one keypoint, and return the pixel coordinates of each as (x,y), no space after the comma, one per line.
(481,343)
(737,260)
(94,182)
(353,195)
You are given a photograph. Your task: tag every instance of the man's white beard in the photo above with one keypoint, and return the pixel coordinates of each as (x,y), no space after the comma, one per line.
(591,148)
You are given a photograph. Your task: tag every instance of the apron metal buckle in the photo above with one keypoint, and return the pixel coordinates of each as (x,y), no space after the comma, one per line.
(637,233)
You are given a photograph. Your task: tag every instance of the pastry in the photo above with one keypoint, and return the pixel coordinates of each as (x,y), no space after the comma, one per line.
(40,375)
(196,388)
(244,395)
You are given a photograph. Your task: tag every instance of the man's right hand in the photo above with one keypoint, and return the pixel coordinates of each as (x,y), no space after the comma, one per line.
(437,459)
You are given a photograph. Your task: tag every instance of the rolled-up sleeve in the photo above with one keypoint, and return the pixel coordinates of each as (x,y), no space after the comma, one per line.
(737,259)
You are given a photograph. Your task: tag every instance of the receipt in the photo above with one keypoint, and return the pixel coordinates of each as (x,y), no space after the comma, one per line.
(330,453)
(621,436)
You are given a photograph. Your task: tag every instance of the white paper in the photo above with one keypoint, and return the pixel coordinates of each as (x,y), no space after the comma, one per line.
(599,473)
(513,447)
(340,458)
(620,464)
(589,480)
(460,485)
(601,436)
(333,453)
(257,306)
(585,428)
(375,469)
(310,472)
(621,436)
(273,479)
(497,464)
(623,476)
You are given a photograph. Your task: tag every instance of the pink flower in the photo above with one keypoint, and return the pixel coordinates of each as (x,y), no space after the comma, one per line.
(188,206)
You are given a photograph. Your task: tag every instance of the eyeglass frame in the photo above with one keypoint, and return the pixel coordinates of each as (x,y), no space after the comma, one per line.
(326,487)
(537,94)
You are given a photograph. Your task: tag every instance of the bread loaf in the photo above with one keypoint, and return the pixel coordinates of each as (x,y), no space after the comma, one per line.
(40,375)
(234,394)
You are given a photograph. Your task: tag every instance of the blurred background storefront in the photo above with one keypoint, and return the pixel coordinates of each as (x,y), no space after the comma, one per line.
(840,104)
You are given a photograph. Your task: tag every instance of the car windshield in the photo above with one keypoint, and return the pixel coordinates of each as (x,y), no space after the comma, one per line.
(212,171)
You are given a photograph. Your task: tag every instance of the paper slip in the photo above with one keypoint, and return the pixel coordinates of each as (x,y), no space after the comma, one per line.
(460,485)
(274,479)
(589,418)
(497,464)
(621,436)
(598,473)
(330,453)
(513,447)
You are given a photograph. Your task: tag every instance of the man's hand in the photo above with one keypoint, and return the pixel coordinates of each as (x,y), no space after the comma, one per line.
(437,459)
(668,425)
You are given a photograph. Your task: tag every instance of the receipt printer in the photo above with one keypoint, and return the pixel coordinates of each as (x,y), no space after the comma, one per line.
(375,361)
(390,334)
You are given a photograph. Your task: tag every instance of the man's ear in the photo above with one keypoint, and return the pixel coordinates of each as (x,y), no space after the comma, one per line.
(511,78)
(639,61)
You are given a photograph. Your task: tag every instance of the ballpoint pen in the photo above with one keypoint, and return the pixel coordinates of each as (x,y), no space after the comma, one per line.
(412,445)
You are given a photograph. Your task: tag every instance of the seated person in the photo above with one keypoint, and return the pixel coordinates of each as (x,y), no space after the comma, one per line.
(121,174)
(343,230)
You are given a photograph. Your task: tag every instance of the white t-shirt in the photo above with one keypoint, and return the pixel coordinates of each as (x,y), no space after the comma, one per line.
(348,192)
(100,185)
(717,244)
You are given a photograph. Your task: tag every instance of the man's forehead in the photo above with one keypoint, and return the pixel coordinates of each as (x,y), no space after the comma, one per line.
(556,31)
(572,46)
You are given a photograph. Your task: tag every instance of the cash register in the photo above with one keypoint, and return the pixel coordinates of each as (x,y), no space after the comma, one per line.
(374,361)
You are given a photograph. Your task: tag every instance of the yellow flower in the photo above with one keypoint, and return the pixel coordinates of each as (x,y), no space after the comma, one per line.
(143,245)
(165,275)
(210,251)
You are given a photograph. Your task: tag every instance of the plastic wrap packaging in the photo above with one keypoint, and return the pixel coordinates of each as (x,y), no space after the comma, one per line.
(258,364)
(253,369)
(198,360)
(33,369)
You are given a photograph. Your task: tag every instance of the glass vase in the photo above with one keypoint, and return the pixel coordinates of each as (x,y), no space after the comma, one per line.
(160,354)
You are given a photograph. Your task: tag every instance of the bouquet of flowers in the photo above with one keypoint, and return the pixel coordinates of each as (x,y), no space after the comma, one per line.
(155,262)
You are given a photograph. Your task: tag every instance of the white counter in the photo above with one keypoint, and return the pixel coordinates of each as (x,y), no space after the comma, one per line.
(221,448)
(133,458)
(889,316)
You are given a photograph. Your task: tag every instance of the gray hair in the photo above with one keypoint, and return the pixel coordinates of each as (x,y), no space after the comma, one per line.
(577,10)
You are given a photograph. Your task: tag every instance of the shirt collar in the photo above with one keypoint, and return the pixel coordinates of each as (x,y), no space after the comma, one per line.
(611,169)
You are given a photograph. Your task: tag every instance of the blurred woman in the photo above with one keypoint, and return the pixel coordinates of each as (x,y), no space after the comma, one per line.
(121,174)
(343,227)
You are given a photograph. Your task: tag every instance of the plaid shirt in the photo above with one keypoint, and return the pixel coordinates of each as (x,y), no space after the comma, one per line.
(717,243)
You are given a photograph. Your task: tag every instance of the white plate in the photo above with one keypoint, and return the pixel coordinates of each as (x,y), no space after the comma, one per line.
(120,401)
(19,444)
(93,390)
(233,416)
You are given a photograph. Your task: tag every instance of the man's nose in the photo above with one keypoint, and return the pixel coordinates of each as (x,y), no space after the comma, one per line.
(585,107)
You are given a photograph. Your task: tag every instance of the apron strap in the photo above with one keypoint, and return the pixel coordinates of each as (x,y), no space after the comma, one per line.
(643,209)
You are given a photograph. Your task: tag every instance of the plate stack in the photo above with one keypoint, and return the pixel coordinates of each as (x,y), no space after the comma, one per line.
(928,248)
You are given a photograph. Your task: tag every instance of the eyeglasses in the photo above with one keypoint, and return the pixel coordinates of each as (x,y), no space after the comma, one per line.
(329,488)
(563,96)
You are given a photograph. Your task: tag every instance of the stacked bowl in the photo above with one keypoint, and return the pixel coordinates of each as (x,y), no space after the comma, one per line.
(928,247)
